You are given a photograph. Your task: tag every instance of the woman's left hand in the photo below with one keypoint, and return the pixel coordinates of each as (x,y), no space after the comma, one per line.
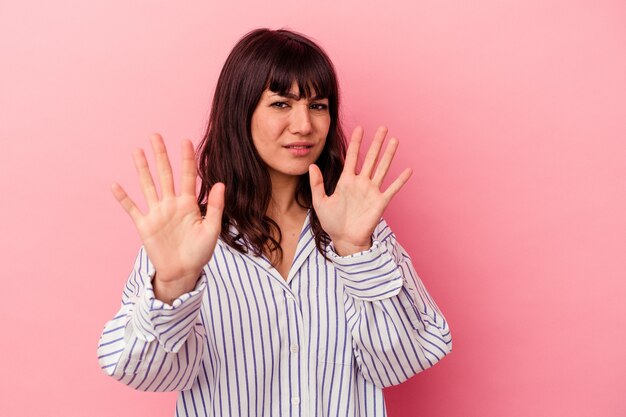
(351,214)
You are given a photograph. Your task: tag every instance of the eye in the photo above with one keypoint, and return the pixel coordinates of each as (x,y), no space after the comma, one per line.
(319,106)
(280,104)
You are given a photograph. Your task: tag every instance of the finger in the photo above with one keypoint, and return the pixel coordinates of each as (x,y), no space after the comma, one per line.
(352,154)
(372,154)
(316,180)
(397,184)
(145,177)
(189,172)
(163,165)
(385,162)
(215,207)
(127,204)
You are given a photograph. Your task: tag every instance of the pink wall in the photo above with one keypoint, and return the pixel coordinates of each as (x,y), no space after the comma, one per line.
(512,114)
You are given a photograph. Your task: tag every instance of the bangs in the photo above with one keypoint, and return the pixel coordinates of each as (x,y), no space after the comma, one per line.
(299,63)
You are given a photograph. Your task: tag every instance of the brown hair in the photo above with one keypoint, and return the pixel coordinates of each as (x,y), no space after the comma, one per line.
(262,59)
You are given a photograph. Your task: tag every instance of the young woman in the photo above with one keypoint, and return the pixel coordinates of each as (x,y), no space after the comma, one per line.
(279,290)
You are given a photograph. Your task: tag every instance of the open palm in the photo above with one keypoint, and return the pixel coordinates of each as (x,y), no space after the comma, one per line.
(177,239)
(350,215)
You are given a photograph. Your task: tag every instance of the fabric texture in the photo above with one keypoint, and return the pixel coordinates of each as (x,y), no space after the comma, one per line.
(246,342)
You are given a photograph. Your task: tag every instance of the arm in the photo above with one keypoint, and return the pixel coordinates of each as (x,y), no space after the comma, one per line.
(150,345)
(396,327)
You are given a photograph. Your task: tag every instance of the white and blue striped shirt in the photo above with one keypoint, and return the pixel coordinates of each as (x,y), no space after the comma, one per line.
(247,342)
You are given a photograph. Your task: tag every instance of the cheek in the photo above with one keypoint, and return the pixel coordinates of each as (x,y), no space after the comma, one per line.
(323,125)
(259,130)
(266,130)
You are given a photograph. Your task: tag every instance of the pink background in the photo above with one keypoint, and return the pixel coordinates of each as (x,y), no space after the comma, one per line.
(512,114)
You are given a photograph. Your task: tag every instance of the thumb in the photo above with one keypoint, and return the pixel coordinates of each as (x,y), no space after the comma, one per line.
(317,184)
(215,206)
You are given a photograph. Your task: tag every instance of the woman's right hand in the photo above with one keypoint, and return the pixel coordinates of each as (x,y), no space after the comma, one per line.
(178,240)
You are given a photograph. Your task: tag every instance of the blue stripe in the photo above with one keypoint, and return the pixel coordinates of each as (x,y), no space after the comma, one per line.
(243,339)
(271,364)
(111,342)
(374,297)
(145,377)
(110,354)
(231,339)
(254,359)
(108,331)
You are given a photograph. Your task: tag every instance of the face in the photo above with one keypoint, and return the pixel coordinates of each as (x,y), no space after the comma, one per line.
(289,132)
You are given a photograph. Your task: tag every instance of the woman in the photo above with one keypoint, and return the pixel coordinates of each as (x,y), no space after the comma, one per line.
(279,290)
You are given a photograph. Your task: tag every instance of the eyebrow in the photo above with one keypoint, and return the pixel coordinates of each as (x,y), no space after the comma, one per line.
(295,97)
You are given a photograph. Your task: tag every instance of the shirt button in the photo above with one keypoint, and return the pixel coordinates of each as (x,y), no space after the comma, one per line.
(295,348)
(290,297)
(295,400)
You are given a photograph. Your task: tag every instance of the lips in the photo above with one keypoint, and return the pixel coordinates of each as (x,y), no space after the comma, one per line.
(299,148)
(299,145)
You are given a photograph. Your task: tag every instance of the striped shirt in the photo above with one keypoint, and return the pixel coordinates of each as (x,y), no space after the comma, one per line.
(246,342)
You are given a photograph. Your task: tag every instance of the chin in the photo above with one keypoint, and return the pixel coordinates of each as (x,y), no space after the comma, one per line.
(299,172)
(291,171)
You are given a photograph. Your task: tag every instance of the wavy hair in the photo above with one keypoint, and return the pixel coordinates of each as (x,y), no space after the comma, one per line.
(263,59)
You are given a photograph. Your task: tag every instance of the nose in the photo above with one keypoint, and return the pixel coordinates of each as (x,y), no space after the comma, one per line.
(300,120)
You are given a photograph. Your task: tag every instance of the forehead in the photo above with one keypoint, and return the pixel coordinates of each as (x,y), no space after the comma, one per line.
(294,92)
(302,64)
(302,81)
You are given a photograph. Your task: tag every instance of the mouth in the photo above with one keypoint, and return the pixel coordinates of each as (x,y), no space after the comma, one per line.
(298,146)
(299,149)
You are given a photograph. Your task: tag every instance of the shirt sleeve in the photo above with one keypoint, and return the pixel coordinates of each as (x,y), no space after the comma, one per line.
(150,345)
(397,329)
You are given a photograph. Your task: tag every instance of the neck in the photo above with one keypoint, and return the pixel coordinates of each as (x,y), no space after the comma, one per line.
(283,200)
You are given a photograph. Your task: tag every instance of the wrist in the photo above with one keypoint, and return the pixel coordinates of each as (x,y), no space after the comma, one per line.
(169,290)
(343,248)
